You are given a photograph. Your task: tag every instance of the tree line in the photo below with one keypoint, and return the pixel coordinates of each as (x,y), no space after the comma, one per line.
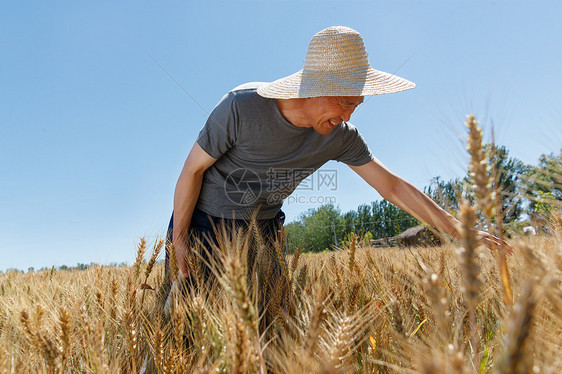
(525,193)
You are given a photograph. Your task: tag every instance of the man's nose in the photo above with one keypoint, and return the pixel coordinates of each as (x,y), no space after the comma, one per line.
(346,115)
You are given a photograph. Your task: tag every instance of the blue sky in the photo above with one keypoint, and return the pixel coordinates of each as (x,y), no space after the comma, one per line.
(93,132)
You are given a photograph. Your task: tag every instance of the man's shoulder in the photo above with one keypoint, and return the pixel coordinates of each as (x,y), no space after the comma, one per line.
(242,92)
(241,96)
(246,91)
(247,87)
(245,97)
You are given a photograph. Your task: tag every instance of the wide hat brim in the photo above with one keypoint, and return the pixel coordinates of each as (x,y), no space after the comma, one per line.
(364,82)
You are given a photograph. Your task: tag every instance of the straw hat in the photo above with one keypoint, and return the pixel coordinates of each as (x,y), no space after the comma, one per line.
(336,65)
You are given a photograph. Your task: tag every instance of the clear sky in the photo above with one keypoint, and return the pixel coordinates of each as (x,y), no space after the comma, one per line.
(94,133)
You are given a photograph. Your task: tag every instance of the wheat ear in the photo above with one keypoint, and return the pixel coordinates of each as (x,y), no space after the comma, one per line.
(516,361)
(150,266)
(173,263)
(138,260)
(316,321)
(469,266)
(295,262)
(479,170)
(352,250)
(486,197)
(64,321)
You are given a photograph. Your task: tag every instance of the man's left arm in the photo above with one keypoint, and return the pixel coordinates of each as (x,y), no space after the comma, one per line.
(407,197)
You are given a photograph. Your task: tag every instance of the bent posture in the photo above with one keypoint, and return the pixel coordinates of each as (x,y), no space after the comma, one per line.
(263,139)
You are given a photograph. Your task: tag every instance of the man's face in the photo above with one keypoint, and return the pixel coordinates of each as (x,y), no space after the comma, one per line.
(328,112)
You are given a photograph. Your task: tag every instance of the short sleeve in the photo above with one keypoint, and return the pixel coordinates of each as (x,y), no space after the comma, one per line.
(219,133)
(354,149)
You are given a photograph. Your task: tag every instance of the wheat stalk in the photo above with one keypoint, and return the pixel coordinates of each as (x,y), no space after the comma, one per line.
(516,360)
(172,261)
(141,248)
(485,196)
(352,250)
(150,266)
(316,320)
(469,265)
(479,170)
(295,262)
(64,321)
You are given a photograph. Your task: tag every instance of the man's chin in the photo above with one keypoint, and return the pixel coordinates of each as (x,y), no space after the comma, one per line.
(324,131)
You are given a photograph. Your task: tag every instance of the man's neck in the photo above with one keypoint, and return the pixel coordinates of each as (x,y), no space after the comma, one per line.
(294,111)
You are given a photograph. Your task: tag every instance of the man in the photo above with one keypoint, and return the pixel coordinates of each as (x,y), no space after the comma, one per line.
(294,124)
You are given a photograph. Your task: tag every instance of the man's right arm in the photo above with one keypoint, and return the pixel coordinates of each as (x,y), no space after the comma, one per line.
(185,198)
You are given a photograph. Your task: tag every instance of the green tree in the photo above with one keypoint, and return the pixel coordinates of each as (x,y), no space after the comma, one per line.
(296,236)
(445,193)
(364,218)
(543,184)
(315,229)
(389,220)
(510,172)
(348,222)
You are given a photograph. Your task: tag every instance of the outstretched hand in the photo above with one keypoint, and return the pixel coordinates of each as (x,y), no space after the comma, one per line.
(493,242)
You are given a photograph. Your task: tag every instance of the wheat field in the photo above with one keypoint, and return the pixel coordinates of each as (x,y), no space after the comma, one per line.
(459,308)
(354,310)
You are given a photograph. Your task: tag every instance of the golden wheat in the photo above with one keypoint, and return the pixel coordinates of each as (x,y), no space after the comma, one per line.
(358,309)
(415,319)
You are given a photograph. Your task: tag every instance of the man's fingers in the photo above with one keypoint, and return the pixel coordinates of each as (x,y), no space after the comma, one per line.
(508,248)
(503,245)
(493,242)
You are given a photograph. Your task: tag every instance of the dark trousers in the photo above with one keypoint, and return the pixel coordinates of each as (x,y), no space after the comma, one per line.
(265,260)
(204,228)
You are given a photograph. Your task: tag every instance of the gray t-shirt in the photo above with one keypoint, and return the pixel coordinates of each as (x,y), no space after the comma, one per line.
(262,158)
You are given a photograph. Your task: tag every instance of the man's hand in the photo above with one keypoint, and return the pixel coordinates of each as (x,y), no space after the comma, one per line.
(181,251)
(493,242)
(178,289)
